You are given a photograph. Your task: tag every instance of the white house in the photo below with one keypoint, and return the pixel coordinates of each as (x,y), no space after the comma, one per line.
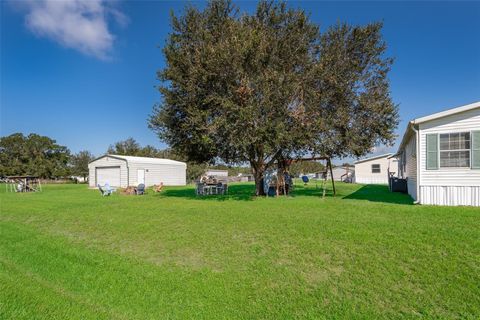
(375,170)
(124,171)
(440,157)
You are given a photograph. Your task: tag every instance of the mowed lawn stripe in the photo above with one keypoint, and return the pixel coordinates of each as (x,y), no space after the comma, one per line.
(103,281)
(173,255)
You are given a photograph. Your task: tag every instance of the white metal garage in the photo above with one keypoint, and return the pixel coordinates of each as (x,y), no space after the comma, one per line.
(124,171)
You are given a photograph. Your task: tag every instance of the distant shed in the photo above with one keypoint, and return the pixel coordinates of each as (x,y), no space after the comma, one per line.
(345,174)
(124,171)
(216,172)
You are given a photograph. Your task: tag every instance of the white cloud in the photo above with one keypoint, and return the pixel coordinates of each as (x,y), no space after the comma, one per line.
(382,149)
(78,24)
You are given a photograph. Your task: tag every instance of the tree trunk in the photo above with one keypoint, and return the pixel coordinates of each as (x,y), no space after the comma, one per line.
(258,174)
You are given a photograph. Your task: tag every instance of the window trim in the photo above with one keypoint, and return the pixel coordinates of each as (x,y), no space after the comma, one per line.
(456,150)
(379,168)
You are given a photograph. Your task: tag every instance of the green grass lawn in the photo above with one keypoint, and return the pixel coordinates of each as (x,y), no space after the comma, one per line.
(68,253)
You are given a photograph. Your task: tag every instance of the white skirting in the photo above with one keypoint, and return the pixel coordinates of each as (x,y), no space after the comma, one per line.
(450,195)
(371,180)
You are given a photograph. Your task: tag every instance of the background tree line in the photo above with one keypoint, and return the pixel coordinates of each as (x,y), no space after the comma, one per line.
(40,156)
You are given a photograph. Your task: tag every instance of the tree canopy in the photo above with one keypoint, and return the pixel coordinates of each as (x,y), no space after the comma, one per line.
(33,155)
(268,86)
(79,163)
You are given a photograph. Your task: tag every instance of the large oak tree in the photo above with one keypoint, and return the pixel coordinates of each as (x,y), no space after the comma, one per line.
(267,86)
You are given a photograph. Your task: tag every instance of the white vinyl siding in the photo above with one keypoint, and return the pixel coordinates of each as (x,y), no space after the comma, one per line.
(168,174)
(409,163)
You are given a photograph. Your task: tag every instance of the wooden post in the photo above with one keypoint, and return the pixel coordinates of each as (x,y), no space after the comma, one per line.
(329,163)
(277,189)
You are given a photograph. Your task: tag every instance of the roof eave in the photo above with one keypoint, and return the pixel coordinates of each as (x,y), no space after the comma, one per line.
(386,155)
(108,155)
(447,113)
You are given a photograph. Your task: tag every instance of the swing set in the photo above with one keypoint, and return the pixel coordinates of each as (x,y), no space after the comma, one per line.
(324,174)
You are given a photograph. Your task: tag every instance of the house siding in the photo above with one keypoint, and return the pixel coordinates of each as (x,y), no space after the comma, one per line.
(450,195)
(449,186)
(409,169)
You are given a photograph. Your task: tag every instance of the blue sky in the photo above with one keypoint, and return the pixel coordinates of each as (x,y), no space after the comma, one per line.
(89,80)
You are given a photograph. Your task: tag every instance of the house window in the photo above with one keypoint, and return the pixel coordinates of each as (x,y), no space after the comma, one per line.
(455,150)
(375,168)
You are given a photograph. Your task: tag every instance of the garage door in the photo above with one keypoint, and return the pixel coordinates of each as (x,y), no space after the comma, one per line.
(110,175)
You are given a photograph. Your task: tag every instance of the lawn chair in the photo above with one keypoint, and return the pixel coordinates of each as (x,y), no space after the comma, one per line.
(221,188)
(140,189)
(158,188)
(200,190)
(112,189)
(104,191)
(225,189)
(19,187)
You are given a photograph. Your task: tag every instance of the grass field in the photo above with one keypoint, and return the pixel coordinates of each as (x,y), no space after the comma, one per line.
(68,253)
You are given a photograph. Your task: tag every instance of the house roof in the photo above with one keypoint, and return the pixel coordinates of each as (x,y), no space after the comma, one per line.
(142,159)
(386,155)
(438,115)
(446,113)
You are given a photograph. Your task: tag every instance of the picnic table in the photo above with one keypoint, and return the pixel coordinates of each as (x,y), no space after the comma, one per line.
(205,189)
